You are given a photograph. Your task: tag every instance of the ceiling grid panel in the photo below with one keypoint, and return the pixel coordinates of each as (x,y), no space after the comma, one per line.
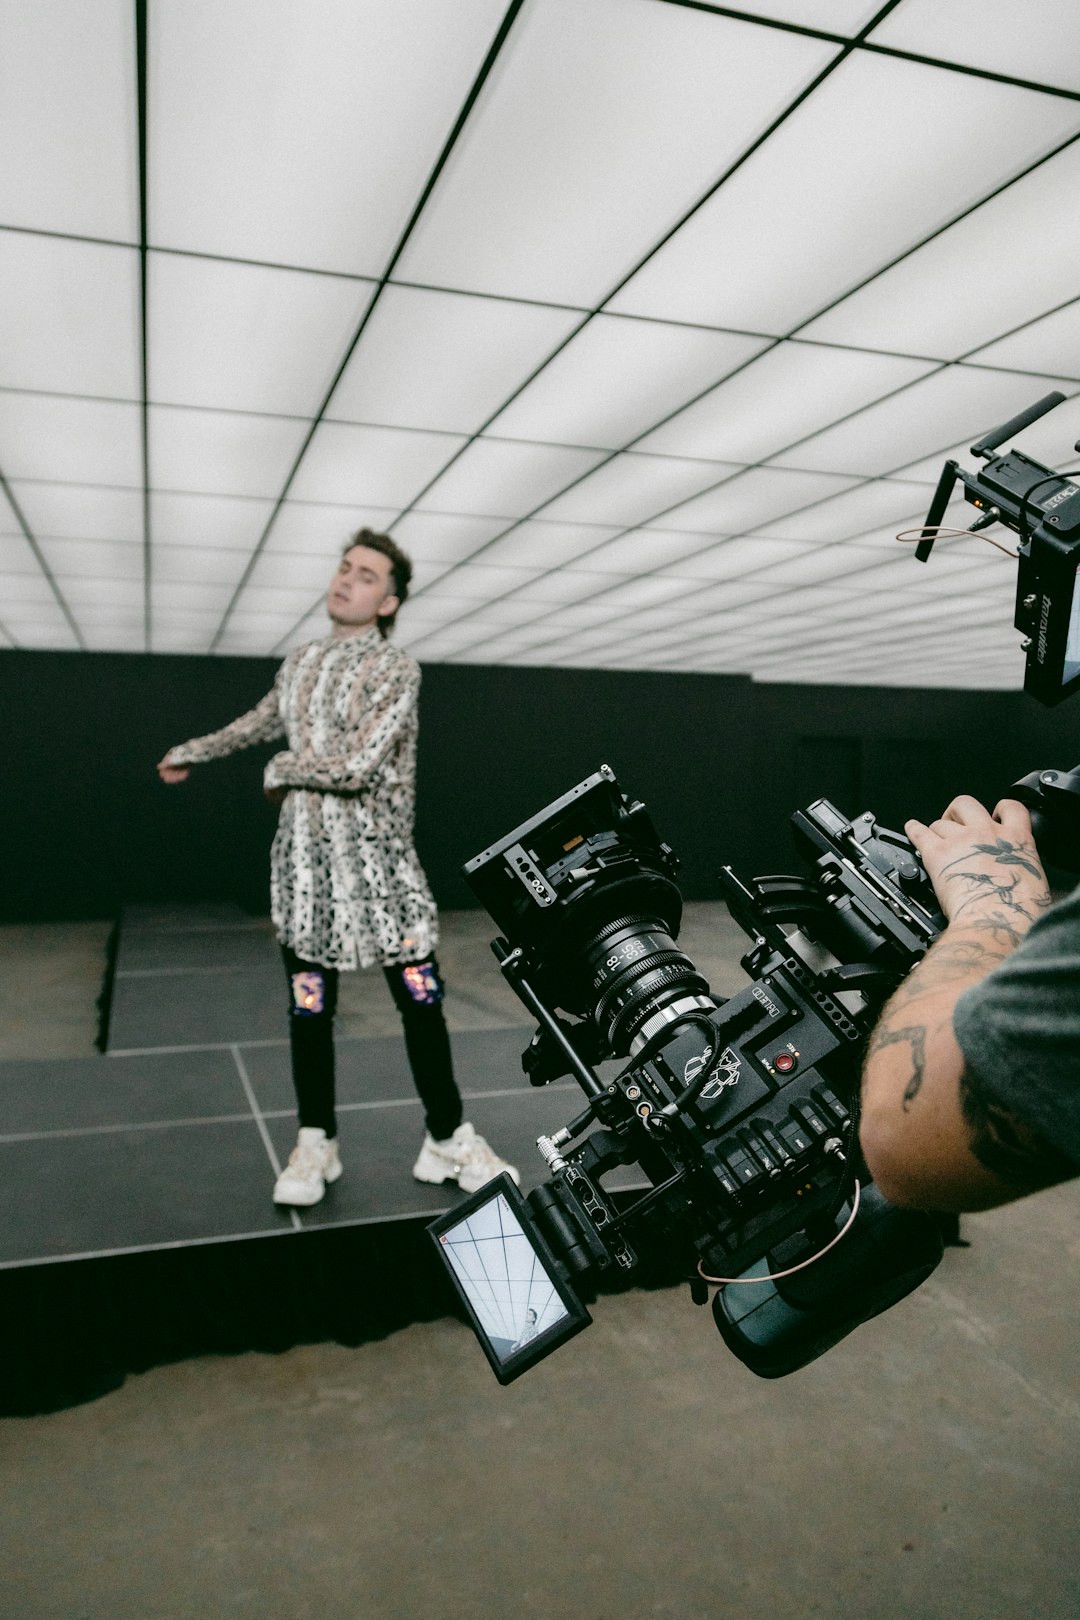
(818,71)
(1036,44)
(822,69)
(1069,114)
(66,131)
(496,45)
(643,324)
(709,541)
(144,321)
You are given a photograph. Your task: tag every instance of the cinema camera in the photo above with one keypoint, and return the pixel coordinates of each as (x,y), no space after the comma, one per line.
(739,1115)
(1043,508)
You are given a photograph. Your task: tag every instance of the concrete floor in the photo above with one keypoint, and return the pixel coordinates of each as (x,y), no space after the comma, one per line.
(925,1469)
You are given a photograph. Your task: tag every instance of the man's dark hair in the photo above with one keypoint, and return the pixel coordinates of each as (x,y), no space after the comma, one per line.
(400,567)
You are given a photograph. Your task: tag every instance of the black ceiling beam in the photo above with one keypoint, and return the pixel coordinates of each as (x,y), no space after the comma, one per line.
(144,346)
(41,561)
(876,49)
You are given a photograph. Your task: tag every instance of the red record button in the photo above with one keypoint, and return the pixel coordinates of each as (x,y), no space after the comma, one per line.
(784,1062)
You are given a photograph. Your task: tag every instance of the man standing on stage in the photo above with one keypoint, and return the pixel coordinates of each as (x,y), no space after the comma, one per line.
(347,889)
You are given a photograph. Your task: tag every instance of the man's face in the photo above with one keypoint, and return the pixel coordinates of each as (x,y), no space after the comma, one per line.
(362,590)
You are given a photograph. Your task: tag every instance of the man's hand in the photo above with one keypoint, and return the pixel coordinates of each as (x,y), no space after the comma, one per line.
(172,773)
(984,866)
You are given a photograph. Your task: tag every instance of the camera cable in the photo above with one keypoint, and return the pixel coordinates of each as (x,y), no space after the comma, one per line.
(774,1276)
(942,531)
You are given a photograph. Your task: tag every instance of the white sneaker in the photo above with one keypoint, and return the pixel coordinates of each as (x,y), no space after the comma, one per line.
(464,1157)
(312,1163)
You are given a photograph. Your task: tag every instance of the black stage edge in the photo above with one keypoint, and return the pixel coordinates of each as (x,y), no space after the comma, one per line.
(136,1222)
(104,1000)
(76,1330)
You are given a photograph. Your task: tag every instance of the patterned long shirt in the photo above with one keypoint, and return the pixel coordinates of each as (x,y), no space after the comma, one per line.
(346,887)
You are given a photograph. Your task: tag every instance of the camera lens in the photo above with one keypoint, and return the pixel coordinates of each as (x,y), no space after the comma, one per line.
(634,971)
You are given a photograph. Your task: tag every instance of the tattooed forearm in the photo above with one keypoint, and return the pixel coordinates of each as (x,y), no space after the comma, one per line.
(1006,1147)
(913,1035)
(1006,853)
(1011,890)
(1004,935)
(960,957)
(982,886)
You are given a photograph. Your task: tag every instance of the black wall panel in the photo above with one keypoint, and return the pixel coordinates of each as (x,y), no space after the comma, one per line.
(86,826)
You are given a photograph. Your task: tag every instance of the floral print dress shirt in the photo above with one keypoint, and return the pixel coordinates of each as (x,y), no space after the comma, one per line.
(347,889)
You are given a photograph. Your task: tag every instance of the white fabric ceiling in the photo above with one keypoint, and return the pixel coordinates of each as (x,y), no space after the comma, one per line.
(643,325)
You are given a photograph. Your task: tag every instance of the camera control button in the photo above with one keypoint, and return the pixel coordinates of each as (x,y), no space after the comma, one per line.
(813,1122)
(830,1102)
(745,1170)
(796,1138)
(775,1149)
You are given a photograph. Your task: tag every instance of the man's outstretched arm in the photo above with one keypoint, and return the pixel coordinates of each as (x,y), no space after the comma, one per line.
(263,723)
(931,1136)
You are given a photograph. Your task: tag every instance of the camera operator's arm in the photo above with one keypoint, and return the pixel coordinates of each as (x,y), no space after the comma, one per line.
(932,1134)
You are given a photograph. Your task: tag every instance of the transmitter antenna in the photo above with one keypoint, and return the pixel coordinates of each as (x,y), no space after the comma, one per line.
(985,448)
(990,441)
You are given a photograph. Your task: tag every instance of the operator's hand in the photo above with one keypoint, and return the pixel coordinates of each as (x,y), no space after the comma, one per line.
(172,773)
(983,866)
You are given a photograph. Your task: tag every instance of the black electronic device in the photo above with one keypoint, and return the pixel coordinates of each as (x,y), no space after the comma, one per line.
(518,1299)
(1043,508)
(741,1115)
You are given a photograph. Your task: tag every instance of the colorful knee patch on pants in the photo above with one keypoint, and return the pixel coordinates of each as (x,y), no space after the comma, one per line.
(309,994)
(423,983)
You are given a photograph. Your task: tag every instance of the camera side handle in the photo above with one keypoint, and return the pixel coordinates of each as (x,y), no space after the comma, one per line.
(510,962)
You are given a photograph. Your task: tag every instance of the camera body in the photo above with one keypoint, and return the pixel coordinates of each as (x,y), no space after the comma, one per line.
(740,1115)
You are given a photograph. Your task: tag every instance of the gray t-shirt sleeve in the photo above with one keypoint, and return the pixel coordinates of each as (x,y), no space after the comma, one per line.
(1019,1030)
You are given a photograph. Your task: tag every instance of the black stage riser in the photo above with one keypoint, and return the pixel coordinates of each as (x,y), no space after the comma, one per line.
(136,1222)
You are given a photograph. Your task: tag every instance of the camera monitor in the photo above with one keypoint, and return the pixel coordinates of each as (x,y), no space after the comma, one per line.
(519,1306)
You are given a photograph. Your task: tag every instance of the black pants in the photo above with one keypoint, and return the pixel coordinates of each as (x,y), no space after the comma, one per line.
(417,989)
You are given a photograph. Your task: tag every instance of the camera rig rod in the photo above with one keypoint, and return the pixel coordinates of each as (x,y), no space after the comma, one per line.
(510,963)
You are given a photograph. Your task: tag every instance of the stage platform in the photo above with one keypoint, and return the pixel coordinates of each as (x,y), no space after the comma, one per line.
(140,1179)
